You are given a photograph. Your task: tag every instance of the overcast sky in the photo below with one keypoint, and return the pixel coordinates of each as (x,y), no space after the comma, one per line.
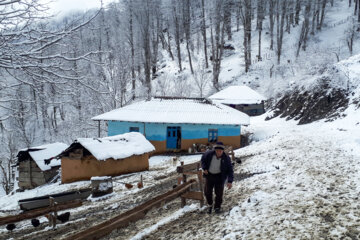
(62,7)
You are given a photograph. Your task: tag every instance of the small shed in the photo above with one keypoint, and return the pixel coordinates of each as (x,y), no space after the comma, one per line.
(35,167)
(176,123)
(241,98)
(108,156)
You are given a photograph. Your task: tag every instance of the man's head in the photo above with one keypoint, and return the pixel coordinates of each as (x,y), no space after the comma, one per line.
(219,149)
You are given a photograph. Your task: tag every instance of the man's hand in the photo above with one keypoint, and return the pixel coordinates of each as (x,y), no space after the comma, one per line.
(229,185)
(206,172)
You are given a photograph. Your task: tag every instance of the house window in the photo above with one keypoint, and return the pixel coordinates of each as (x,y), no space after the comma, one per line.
(134,129)
(213,135)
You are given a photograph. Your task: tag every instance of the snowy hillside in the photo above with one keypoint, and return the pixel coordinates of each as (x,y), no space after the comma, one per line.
(302,182)
(300,176)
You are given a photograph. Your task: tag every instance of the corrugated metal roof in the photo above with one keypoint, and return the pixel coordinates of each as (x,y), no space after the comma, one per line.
(177,110)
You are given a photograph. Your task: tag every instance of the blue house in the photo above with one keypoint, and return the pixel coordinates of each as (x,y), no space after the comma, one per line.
(171,123)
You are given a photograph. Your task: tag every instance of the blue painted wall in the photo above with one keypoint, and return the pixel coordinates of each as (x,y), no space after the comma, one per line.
(157,131)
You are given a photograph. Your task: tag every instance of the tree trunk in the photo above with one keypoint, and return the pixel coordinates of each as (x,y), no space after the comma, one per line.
(187,27)
(169,41)
(324,2)
(227,17)
(271,19)
(280,26)
(246,19)
(217,41)
(260,17)
(297,11)
(132,49)
(237,16)
(177,37)
(305,29)
(315,14)
(203,32)
(358,7)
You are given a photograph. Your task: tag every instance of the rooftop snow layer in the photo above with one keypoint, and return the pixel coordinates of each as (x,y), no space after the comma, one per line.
(45,152)
(177,111)
(237,95)
(118,146)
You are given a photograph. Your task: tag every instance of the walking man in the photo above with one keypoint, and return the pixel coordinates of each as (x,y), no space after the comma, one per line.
(217,169)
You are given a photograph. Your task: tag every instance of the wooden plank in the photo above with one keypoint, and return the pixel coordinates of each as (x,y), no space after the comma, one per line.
(193,195)
(39,212)
(33,175)
(35,181)
(200,179)
(25,169)
(103,229)
(188,167)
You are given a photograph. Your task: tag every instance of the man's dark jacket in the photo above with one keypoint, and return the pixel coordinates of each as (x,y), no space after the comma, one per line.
(225,166)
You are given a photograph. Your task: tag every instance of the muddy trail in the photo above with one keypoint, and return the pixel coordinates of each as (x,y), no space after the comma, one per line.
(187,226)
(88,215)
(279,199)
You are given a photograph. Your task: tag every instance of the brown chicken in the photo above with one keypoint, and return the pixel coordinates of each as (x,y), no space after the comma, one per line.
(128,185)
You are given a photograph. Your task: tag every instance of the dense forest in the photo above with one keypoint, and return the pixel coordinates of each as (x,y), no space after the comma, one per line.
(57,74)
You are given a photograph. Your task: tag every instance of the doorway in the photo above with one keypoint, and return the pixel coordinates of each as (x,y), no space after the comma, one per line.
(173,138)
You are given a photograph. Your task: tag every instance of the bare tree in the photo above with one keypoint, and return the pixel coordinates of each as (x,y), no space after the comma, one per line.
(297,11)
(305,28)
(132,47)
(187,27)
(357,11)
(322,14)
(144,17)
(246,17)
(261,6)
(227,17)
(350,35)
(201,79)
(316,9)
(203,32)
(272,5)
(280,20)
(7,161)
(290,15)
(217,31)
(176,14)
(25,46)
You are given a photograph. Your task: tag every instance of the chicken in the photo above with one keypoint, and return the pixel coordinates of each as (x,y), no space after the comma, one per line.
(140,184)
(63,217)
(10,226)
(128,185)
(35,222)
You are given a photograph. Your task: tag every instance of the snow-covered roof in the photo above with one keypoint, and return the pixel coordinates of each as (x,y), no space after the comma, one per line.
(40,153)
(166,110)
(118,146)
(237,95)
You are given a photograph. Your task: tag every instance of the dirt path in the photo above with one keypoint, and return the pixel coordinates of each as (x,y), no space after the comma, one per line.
(308,189)
(88,215)
(189,225)
(290,187)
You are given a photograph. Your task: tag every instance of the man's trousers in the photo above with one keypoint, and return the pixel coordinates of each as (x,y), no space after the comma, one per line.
(214,181)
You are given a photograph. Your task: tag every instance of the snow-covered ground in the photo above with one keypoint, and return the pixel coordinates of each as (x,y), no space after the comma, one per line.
(306,186)
(306,182)
(159,165)
(309,186)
